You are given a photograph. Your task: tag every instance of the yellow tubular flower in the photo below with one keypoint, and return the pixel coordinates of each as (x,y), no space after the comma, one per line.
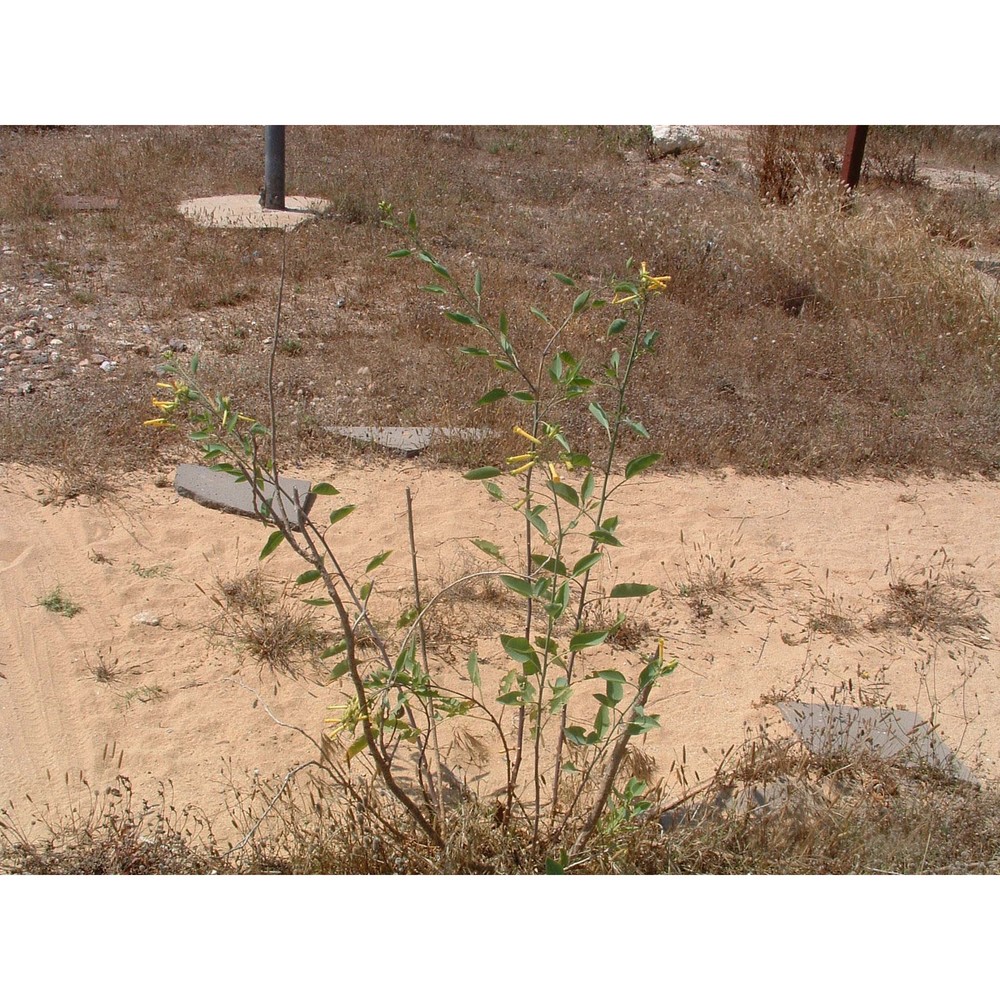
(523,468)
(525,434)
(158,422)
(554,474)
(514,459)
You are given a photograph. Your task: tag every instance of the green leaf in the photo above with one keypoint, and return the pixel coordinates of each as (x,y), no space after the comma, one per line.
(523,396)
(333,650)
(440,269)
(484,472)
(538,312)
(615,676)
(552,867)
(318,602)
(604,536)
(492,396)
(580,303)
(307,577)
(587,487)
(494,491)
(461,318)
(566,492)
(536,520)
(489,548)
(587,562)
(637,426)
(518,648)
(273,541)
(401,253)
(564,278)
(518,584)
(411,221)
(407,617)
(476,352)
(557,608)
(510,698)
(477,284)
(549,564)
(586,640)
(339,670)
(599,415)
(325,490)
(341,512)
(504,325)
(366,589)
(378,560)
(578,737)
(433,289)
(622,590)
(472,668)
(637,465)
(616,326)
(357,746)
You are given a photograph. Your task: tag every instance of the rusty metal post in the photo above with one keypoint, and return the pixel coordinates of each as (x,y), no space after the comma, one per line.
(854,153)
(274,167)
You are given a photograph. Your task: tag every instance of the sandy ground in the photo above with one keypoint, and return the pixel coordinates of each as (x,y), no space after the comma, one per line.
(810,562)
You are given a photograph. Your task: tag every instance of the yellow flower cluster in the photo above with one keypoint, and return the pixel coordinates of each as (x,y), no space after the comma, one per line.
(165,406)
(649,284)
(521,463)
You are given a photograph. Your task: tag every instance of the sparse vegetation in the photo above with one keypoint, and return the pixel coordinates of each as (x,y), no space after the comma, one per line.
(266,622)
(57,602)
(802,339)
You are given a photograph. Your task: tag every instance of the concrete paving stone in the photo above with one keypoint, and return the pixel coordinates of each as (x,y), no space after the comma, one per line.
(244,211)
(220,491)
(408,440)
(889,733)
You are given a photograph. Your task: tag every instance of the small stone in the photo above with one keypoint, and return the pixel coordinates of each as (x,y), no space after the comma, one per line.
(145,618)
(177,345)
(28,342)
(675,139)
(341,302)
(108,366)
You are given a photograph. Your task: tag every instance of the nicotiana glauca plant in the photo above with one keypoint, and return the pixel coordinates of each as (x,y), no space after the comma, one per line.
(560,772)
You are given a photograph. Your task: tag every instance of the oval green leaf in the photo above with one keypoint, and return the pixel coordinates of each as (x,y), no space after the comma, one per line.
(484,472)
(341,512)
(273,541)
(641,463)
(623,590)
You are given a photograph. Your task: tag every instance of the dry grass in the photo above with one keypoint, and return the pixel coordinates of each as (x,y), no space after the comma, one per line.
(935,599)
(773,809)
(276,629)
(798,338)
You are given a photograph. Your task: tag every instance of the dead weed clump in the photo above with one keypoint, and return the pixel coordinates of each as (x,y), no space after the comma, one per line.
(274,628)
(935,599)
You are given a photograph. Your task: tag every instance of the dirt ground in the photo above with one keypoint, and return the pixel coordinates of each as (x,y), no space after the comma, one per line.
(767,586)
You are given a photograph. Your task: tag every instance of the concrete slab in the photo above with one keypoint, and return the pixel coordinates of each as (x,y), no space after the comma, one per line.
(220,491)
(244,211)
(408,440)
(893,735)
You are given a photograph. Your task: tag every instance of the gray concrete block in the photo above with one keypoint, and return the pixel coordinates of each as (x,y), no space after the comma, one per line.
(220,491)
(408,440)
(887,733)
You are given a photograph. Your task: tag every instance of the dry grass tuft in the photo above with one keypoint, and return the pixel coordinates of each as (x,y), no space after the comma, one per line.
(277,630)
(935,599)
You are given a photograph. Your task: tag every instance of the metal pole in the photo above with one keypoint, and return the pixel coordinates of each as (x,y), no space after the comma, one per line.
(274,167)
(854,153)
